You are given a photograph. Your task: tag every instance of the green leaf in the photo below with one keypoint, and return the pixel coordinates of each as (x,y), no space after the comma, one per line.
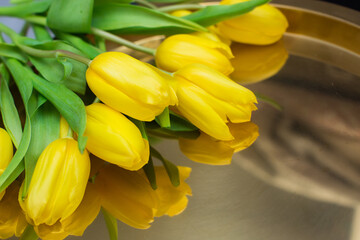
(68,67)
(164,119)
(150,173)
(98,2)
(9,112)
(41,33)
(269,101)
(86,48)
(26,8)
(70,15)
(10,50)
(171,169)
(111,224)
(216,13)
(54,71)
(29,234)
(19,1)
(169,1)
(141,126)
(45,128)
(126,18)
(180,124)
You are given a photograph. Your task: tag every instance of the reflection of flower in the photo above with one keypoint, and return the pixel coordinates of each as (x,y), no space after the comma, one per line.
(128,85)
(207,150)
(127,196)
(114,138)
(180,50)
(263,25)
(209,99)
(12,220)
(172,200)
(77,222)
(6,152)
(256,63)
(58,183)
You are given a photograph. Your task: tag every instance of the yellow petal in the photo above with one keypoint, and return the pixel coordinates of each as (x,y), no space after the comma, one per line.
(244,134)
(6,150)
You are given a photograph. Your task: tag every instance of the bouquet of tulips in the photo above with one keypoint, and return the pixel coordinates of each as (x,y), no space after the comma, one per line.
(79,121)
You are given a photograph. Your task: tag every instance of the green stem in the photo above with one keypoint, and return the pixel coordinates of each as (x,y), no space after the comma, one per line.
(119,40)
(146,4)
(181,7)
(8,31)
(36,19)
(269,101)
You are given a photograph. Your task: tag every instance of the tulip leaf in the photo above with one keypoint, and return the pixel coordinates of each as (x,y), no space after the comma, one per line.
(269,101)
(211,15)
(178,123)
(168,1)
(45,128)
(29,233)
(9,50)
(111,224)
(141,126)
(86,48)
(125,18)
(54,70)
(70,16)
(171,169)
(26,8)
(164,119)
(9,113)
(19,1)
(150,173)
(98,2)
(41,33)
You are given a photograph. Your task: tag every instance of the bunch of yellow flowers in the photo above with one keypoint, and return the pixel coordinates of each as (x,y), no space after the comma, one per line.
(80,150)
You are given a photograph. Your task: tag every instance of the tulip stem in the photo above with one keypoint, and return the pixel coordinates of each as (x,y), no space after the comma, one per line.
(146,4)
(180,7)
(120,40)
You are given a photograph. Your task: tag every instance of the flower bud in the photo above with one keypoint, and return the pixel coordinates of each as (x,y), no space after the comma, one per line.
(209,99)
(261,26)
(12,219)
(58,183)
(77,222)
(172,200)
(114,138)
(181,13)
(180,50)
(256,63)
(128,86)
(127,196)
(6,152)
(208,150)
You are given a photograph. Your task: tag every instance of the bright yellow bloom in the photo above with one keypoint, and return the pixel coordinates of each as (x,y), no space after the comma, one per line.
(12,219)
(180,13)
(6,153)
(256,63)
(127,196)
(77,222)
(129,86)
(114,138)
(64,128)
(206,149)
(58,183)
(172,200)
(209,99)
(263,25)
(180,50)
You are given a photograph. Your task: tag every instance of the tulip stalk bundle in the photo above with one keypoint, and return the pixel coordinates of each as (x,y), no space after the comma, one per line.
(79,123)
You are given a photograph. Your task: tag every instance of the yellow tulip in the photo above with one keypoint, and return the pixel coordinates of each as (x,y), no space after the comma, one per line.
(180,13)
(256,63)
(114,138)
(77,222)
(58,183)
(180,50)
(261,26)
(208,150)
(209,99)
(172,200)
(129,86)
(12,219)
(127,196)
(6,153)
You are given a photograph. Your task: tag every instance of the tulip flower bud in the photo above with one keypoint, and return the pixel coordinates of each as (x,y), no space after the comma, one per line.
(128,86)
(208,150)
(77,222)
(172,200)
(127,196)
(256,63)
(263,25)
(6,153)
(180,13)
(180,50)
(209,99)
(12,219)
(58,183)
(114,138)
